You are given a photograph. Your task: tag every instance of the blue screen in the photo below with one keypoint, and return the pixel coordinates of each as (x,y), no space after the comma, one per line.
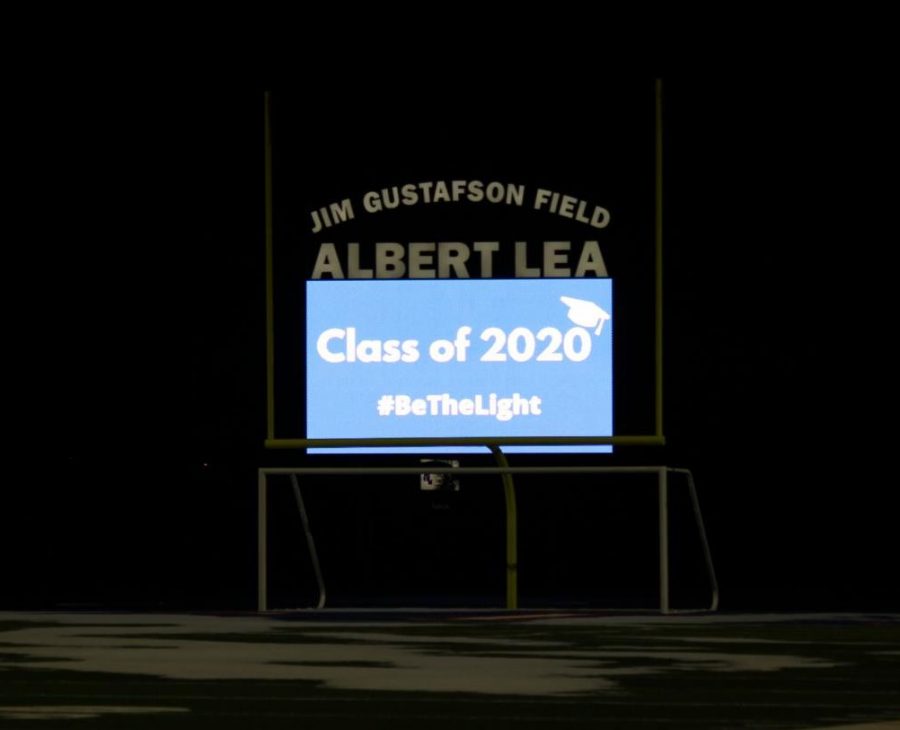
(458,358)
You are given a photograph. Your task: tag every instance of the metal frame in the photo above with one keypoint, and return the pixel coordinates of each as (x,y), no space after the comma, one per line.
(506,472)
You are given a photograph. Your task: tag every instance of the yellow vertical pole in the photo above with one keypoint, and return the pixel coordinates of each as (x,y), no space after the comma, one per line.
(659,261)
(262,537)
(663,477)
(512,548)
(270,304)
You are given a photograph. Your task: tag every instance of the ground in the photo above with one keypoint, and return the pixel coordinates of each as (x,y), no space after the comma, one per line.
(412,669)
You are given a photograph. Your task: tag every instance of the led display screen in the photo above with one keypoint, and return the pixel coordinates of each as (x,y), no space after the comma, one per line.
(494,358)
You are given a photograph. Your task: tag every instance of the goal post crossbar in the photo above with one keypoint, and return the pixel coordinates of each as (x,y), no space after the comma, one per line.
(336,443)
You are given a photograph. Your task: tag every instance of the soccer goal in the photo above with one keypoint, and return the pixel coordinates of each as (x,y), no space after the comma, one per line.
(662,474)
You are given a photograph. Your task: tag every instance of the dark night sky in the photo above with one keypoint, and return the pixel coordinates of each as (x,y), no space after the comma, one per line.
(147,413)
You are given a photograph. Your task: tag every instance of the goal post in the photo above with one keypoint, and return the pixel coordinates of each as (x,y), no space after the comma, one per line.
(448,289)
(506,472)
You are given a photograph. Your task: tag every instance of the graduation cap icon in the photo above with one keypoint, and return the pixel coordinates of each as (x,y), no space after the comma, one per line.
(585,313)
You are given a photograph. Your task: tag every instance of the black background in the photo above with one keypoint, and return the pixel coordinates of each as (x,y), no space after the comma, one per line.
(138,315)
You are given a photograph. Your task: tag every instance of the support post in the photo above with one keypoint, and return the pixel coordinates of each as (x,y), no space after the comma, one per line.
(512,549)
(262,535)
(663,540)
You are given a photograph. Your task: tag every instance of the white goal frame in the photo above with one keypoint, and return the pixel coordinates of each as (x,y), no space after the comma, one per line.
(661,472)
